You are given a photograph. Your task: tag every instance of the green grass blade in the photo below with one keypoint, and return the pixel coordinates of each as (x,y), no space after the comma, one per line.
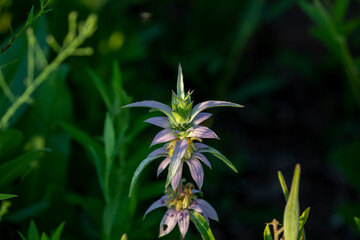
(6,196)
(58,231)
(357,221)
(220,156)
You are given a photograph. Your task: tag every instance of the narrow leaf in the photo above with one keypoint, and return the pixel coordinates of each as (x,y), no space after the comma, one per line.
(201,225)
(58,231)
(267,233)
(138,171)
(303,218)
(340,9)
(283,185)
(180,84)
(291,214)
(6,196)
(33,233)
(101,87)
(357,221)
(219,155)
(109,137)
(124,237)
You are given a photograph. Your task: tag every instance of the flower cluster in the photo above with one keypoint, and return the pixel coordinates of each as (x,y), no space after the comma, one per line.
(181,136)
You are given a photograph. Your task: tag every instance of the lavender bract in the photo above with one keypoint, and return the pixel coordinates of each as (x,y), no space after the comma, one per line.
(179,203)
(180,129)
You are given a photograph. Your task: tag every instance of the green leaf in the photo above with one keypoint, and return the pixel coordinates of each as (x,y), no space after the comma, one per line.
(30,16)
(6,196)
(41,3)
(220,156)
(14,168)
(58,231)
(101,87)
(283,185)
(303,218)
(44,236)
(340,9)
(109,137)
(138,171)
(33,233)
(357,221)
(267,233)
(21,235)
(180,84)
(291,214)
(10,140)
(201,225)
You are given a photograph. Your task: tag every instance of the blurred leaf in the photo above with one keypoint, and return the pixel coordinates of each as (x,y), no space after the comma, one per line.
(6,196)
(33,233)
(220,156)
(201,225)
(267,233)
(283,185)
(10,140)
(109,137)
(340,9)
(357,221)
(124,237)
(102,88)
(14,168)
(58,231)
(345,158)
(351,25)
(27,212)
(44,236)
(291,214)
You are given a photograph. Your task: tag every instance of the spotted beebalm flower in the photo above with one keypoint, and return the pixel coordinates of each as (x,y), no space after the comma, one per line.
(180,203)
(181,127)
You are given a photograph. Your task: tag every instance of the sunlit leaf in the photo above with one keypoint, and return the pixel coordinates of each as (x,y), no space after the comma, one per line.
(58,231)
(201,225)
(291,214)
(220,156)
(283,185)
(357,221)
(6,196)
(267,233)
(33,233)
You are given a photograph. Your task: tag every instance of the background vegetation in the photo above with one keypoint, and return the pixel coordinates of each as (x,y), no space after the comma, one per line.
(293,64)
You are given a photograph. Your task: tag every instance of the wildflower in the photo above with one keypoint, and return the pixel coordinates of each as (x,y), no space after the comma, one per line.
(180,203)
(180,128)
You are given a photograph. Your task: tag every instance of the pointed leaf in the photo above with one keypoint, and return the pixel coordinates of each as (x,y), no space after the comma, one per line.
(159,121)
(44,236)
(357,221)
(6,196)
(267,233)
(219,155)
(33,233)
(180,84)
(153,104)
(101,87)
(139,170)
(124,237)
(202,226)
(340,9)
(58,231)
(202,132)
(291,214)
(303,218)
(283,185)
(210,104)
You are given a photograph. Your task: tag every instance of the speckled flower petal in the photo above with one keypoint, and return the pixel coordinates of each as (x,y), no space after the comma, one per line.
(183,222)
(176,180)
(197,171)
(165,135)
(194,206)
(200,118)
(208,210)
(152,104)
(209,104)
(170,219)
(159,121)
(159,203)
(163,165)
(202,158)
(160,151)
(178,154)
(202,132)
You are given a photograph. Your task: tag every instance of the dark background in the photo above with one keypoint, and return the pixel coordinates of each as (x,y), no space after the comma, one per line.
(299,108)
